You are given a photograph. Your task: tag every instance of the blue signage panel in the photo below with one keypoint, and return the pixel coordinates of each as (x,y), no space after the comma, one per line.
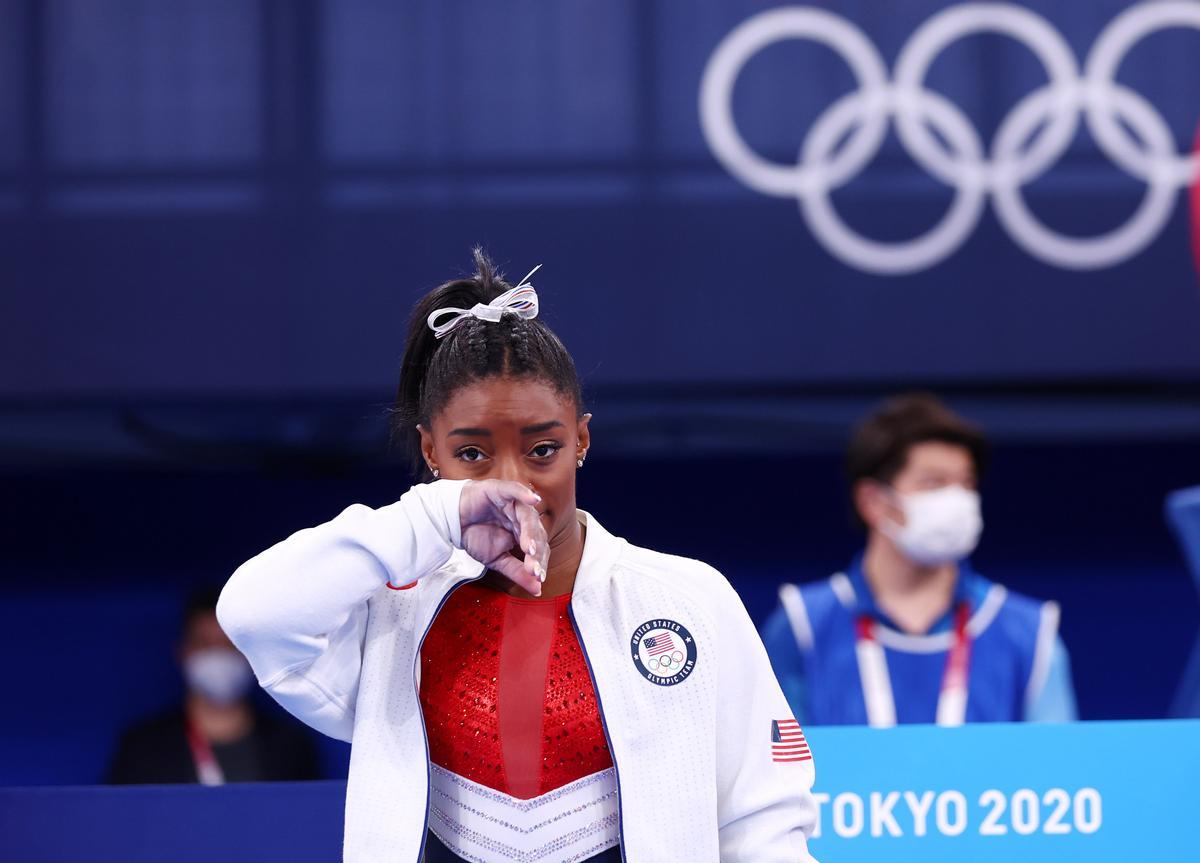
(1093,791)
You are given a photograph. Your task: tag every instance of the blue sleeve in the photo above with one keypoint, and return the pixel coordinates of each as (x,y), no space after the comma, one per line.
(1056,701)
(787,661)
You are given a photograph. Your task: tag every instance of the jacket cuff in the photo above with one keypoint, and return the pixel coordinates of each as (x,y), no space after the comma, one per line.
(449,494)
(433,506)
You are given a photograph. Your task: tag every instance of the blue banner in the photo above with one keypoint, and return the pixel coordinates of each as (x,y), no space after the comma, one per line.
(1091,791)
(739,192)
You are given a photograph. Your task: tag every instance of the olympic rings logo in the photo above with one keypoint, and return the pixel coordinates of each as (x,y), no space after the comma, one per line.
(667,663)
(1029,140)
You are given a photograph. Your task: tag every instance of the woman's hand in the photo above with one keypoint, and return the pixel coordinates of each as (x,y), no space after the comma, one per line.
(500,522)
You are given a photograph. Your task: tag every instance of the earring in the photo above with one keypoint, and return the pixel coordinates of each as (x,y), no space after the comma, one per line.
(579,462)
(435,473)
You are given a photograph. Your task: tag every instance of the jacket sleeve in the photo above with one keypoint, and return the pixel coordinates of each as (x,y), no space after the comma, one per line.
(766,810)
(298,611)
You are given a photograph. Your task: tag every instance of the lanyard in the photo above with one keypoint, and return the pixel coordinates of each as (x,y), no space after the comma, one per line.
(877,684)
(208,771)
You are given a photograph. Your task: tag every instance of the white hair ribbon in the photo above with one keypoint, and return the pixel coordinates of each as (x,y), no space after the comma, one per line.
(521,301)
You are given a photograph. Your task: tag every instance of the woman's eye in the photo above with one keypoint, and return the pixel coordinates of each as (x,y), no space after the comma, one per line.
(470,453)
(545,450)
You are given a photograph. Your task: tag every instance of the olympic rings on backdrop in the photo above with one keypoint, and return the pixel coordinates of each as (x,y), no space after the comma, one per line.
(1028,142)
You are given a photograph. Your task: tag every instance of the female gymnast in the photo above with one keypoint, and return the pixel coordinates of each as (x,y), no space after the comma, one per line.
(516,682)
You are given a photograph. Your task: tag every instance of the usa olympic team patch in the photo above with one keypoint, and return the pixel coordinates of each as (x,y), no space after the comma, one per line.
(663,651)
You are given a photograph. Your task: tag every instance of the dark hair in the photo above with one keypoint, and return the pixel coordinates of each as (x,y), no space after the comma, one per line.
(880,444)
(200,600)
(433,369)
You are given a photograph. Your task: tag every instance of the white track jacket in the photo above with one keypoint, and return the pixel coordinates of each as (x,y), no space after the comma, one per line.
(698,775)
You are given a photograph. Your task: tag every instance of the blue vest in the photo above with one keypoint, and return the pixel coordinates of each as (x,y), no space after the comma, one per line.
(811,639)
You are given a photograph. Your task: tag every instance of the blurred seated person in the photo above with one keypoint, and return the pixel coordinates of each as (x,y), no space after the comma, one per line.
(910,632)
(216,735)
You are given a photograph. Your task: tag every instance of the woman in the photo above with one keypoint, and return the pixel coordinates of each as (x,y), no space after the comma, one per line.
(517,683)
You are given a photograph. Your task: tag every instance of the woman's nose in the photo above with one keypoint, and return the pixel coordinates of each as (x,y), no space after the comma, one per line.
(511,470)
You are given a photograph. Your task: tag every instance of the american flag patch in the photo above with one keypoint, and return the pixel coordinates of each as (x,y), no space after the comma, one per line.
(659,644)
(787,741)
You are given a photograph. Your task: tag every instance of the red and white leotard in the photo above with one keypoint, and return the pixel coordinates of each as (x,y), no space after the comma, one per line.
(518,755)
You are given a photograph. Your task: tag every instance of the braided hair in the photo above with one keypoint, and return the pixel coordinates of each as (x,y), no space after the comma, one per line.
(434,369)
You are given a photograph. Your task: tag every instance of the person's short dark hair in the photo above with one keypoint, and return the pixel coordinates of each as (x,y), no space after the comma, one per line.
(434,369)
(880,443)
(200,600)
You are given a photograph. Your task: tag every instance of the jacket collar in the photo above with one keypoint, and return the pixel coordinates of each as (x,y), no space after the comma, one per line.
(600,552)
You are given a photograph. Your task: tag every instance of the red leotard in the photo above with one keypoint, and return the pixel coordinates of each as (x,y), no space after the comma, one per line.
(506,694)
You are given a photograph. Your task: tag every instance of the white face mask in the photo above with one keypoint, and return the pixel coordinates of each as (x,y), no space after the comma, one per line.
(219,674)
(941,526)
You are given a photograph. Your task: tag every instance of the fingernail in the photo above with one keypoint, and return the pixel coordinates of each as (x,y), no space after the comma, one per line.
(537,497)
(541,571)
(533,548)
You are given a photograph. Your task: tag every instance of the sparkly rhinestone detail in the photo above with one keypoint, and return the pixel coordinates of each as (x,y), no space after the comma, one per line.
(571,823)
(461,696)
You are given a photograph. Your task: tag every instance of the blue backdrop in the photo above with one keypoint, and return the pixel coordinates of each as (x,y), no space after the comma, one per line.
(98,561)
(215,215)
(225,196)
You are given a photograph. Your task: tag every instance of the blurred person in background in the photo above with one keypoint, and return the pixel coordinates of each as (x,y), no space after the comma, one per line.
(216,735)
(910,632)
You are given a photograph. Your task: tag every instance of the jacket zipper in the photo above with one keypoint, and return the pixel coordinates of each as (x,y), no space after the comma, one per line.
(607,737)
(421,713)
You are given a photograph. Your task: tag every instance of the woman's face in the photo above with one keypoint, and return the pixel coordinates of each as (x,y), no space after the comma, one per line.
(513,428)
